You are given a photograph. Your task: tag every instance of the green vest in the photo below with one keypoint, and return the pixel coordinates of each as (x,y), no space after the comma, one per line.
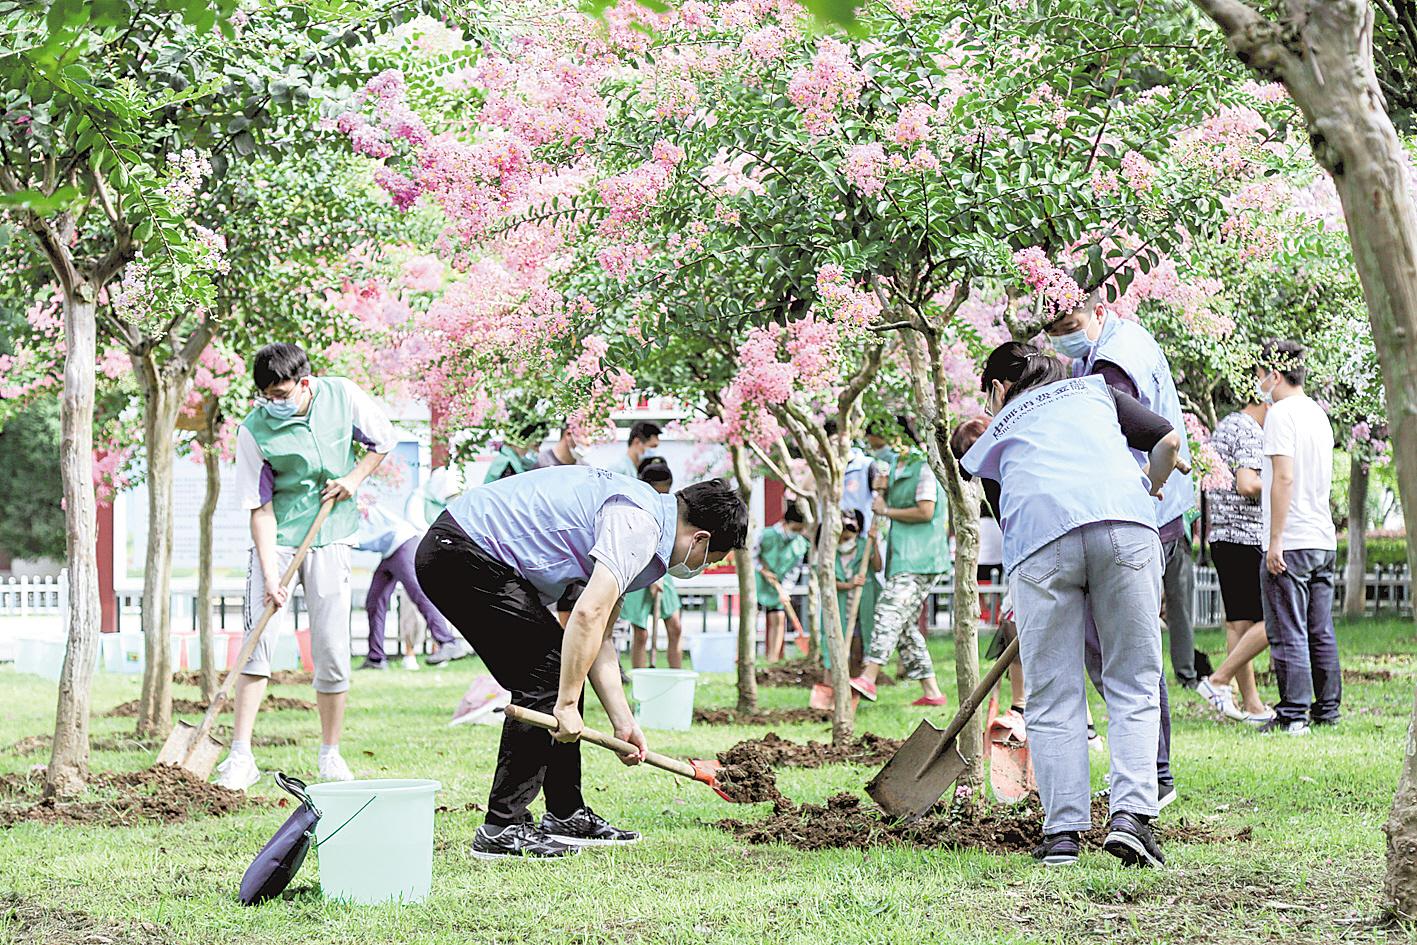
(866,610)
(508,463)
(779,552)
(916,547)
(305,453)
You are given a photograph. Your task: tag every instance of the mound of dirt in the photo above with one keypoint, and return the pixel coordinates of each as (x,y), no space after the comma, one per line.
(118,799)
(749,780)
(129,710)
(761,717)
(846,821)
(30,744)
(281,677)
(801,674)
(777,752)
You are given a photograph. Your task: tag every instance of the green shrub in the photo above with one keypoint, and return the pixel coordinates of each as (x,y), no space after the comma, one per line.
(1384,550)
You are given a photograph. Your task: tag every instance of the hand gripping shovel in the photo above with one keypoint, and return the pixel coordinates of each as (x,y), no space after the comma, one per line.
(923,769)
(192,747)
(694,771)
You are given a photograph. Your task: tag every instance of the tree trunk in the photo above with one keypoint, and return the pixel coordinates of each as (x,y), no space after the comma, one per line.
(69,759)
(824,578)
(163,394)
(747,591)
(964,500)
(811,620)
(206,635)
(1355,597)
(1323,52)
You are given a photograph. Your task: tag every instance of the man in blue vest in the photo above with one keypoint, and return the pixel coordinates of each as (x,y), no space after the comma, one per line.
(497,559)
(1128,358)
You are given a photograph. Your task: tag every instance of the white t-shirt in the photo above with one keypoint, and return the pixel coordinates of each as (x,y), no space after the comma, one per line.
(1298,427)
(626,538)
(925,490)
(991,543)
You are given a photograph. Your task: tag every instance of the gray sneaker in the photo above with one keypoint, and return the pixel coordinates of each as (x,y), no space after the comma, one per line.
(523,840)
(448,652)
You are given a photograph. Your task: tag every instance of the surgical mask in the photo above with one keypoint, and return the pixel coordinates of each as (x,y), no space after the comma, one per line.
(682,569)
(1075,344)
(280,409)
(577,452)
(848,545)
(1262,395)
(650,452)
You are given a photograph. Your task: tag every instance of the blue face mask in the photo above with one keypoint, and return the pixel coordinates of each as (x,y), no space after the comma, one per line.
(650,452)
(1075,344)
(280,409)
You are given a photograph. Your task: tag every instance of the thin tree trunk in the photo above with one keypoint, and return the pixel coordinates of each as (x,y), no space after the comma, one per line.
(69,759)
(811,620)
(747,591)
(1323,52)
(206,635)
(162,400)
(964,498)
(1355,596)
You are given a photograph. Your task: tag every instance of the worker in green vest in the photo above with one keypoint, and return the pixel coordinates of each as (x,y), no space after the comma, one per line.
(294,451)
(851,549)
(917,556)
(517,453)
(781,549)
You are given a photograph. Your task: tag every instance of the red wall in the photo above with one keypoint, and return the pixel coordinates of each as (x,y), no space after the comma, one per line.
(107,599)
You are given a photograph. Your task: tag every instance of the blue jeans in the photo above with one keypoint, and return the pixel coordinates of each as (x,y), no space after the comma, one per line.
(1298,620)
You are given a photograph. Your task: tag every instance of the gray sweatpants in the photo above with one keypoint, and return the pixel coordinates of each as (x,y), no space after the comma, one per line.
(324,574)
(1119,565)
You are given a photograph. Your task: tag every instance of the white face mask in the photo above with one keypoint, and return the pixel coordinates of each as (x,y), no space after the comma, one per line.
(1262,395)
(848,545)
(683,570)
(650,452)
(1075,344)
(577,452)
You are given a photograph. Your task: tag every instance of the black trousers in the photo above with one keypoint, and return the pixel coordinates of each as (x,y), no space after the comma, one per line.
(501,615)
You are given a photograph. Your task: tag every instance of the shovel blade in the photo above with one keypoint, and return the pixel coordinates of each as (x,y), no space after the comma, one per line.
(918,774)
(184,750)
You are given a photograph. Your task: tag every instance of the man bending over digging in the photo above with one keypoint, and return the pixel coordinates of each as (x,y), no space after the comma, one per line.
(493,564)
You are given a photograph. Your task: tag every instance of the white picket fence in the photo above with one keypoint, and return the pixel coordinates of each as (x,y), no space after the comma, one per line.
(34,596)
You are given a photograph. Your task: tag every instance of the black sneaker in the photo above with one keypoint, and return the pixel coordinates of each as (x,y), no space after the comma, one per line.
(1129,839)
(527,840)
(1058,849)
(585,828)
(373,664)
(1165,794)
(1322,723)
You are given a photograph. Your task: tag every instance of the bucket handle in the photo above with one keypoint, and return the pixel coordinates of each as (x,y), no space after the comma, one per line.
(347,822)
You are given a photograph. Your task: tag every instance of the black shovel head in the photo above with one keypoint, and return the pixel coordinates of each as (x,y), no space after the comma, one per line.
(918,774)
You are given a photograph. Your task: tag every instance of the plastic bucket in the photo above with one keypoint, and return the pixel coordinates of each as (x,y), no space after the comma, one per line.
(665,697)
(375,839)
(40,656)
(715,652)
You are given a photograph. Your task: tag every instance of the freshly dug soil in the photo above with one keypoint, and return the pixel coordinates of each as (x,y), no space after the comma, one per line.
(30,744)
(777,752)
(761,717)
(29,921)
(281,677)
(118,799)
(749,780)
(846,821)
(129,710)
(1266,677)
(801,674)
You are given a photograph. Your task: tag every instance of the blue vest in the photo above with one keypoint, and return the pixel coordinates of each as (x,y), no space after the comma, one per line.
(1131,347)
(542,523)
(1061,462)
(382,533)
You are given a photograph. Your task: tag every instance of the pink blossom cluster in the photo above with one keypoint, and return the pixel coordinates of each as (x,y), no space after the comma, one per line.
(1193,301)
(185,171)
(630,195)
(1059,290)
(1216,475)
(588,364)
(731,175)
(913,123)
(1138,172)
(621,259)
(863,167)
(371,302)
(422,273)
(830,83)
(211,247)
(111,474)
(131,296)
(843,302)
(812,346)
(1227,143)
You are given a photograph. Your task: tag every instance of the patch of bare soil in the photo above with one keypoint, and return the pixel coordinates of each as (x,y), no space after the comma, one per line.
(30,744)
(801,674)
(777,752)
(846,821)
(119,799)
(281,677)
(1266,677)
(29,921)
(761,717)
(129,710)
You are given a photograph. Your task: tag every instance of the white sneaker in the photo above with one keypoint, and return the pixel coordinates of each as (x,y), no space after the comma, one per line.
(1221,698)
(333,768)
(1259,718)
(410,662)
(237,772)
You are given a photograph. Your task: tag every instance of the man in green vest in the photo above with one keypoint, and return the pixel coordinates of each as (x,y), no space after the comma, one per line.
(642,444)
(917,556)
(781,548)
(295,450)
(517,454)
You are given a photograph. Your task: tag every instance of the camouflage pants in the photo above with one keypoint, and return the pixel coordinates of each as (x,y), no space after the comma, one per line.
(898,620)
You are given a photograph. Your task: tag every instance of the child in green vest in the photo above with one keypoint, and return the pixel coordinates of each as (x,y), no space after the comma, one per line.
(852,548)
(636,607)
(295,450)
(780,549)
(917,556)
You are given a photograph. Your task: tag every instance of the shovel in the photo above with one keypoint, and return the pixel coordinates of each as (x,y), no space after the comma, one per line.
(694,771)
(922,769)
(192,747)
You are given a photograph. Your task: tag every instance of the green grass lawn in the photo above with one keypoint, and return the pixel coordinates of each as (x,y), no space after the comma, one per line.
(1311,873)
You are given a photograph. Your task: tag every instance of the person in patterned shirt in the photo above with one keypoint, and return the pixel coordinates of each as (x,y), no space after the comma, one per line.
(1234,537)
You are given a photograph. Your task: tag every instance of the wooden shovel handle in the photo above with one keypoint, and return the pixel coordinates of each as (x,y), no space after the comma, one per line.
(617,745)
(976,698)
(862,570)
(254,637)
(786,602)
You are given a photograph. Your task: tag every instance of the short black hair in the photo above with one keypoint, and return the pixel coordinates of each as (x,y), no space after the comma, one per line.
(853,518)
(829,426)
(1286,357)
(644,431)
(793,514)
(280,361)
(716,507)
(1022,365)
(655,469)
(536,430)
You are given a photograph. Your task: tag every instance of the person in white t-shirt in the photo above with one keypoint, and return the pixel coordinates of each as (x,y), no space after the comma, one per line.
(1299,543)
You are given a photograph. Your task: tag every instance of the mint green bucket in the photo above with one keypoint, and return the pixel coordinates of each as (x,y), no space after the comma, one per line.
(375,839)
(665,697)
